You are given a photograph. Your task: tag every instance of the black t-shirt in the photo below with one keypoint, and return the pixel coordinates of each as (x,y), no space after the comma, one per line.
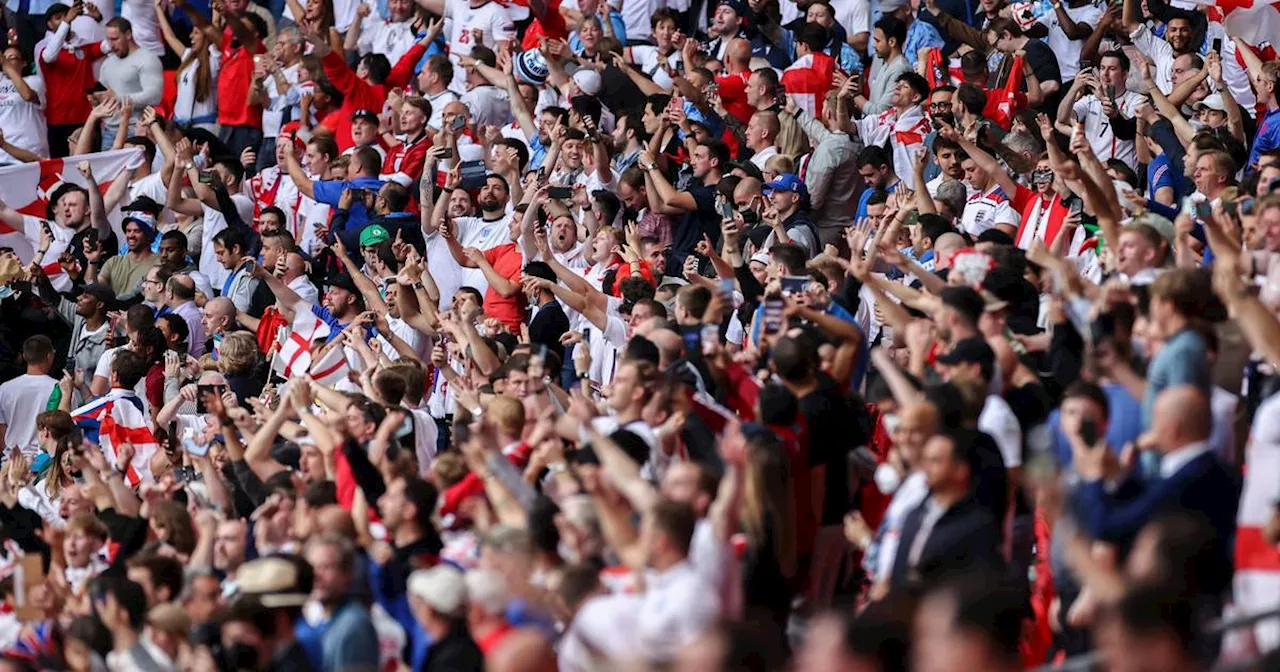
(1043,61)
(693,225)
(835,427)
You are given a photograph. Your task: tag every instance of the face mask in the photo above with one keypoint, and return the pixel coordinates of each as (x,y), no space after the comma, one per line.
(887,479)
(1041,176)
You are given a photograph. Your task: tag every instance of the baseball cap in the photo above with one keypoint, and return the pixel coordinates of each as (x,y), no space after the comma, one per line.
(787,182)
(275,581)
(443,588)
(967,351)
(366,115)
(588,81)
(344,281)
(1212,101)
(100,292)
(373,235)
(738,6)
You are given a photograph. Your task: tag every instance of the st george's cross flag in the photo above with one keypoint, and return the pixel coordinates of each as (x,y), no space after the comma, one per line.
(115,419)
(27,188)
(307,331)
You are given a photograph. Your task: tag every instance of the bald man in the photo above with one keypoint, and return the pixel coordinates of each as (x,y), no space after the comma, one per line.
(219,318)
(904,477)
(944,248)
(1190,479)
(180,299)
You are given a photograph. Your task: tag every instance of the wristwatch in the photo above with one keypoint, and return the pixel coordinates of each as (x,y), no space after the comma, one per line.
(649,167)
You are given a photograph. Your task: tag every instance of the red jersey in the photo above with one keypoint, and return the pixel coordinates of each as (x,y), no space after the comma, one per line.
(361,95)
(509,263)
(68,80)
(235,81)
(404,162)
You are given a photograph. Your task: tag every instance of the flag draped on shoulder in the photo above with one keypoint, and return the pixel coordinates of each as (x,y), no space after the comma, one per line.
(115,419)
(28,187)
(306,332)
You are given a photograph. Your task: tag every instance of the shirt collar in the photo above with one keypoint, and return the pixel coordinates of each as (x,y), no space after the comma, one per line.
(1173,462)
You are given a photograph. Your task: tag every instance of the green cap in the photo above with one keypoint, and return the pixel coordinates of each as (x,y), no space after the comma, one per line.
(373,235)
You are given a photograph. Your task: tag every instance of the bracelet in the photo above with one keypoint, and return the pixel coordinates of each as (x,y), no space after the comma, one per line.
(446,190)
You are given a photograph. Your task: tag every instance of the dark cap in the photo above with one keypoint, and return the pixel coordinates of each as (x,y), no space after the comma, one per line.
(964,300)
(738,6)
(56,9)
(365,114)
(102,293)
(968,351)
(344,281)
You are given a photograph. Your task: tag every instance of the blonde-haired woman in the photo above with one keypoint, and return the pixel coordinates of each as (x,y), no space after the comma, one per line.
(241,363)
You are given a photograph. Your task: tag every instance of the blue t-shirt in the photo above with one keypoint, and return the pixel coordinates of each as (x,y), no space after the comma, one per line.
(1124,423)
(1180,362)
(329,191)
(1160,174)
(1268,137)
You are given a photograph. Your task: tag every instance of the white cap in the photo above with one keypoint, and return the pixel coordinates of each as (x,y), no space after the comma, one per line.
(1212,101)
(587,80)
(443,588)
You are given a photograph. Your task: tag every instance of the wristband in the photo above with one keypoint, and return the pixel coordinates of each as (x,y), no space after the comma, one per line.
(446,190)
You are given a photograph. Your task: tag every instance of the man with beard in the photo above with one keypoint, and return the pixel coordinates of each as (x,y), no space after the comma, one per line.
(491,229)
(69,229)
(124,273)
(1179,34)
(697,203)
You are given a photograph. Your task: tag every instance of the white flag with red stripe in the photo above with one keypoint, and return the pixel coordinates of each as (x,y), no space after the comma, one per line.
(115,419)
(905,133)
(294,357)
(332,366)
(27,189)
(1255,21)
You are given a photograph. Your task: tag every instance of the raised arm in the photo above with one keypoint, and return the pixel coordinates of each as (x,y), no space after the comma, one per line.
(299,176)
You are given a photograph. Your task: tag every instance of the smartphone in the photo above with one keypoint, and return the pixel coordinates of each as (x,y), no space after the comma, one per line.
(1110,90)
(1089,431)
(202,392)
(794,284)
(710,338)
(458,123)
(1203,210)
(1246,206)
(1217,45)
(726,210)
(560,193)
(446,152)
(190,445)
(1077,207)
(692,339)
(357,195)
(772,316)
(206,177)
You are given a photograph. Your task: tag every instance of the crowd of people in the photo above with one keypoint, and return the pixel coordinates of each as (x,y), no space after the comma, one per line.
(356,335)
